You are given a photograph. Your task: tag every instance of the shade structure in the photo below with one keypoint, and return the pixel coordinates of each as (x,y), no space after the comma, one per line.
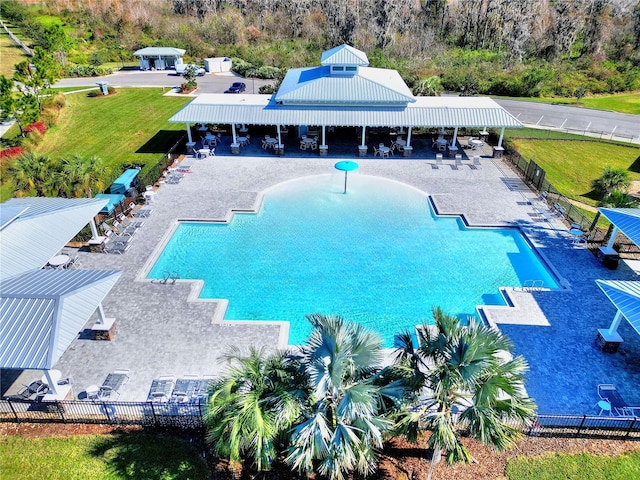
(625,295)
(34,229)
(42,311)
(627,220)
(346,166)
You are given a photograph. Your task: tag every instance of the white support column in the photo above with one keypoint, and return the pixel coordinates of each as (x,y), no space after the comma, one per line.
(233,132)
(101,317)
(613,329)
(364,128)
(324,142)
(455,136)
(94,229)
(612,239)
(189,133)
(409,137)
(501,136)
(52,383)
(278,130)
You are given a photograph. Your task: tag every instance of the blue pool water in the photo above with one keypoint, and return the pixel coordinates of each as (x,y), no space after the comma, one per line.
(376,255)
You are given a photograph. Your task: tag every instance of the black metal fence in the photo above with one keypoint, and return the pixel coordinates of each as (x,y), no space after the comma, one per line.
(191,416)
(148,414)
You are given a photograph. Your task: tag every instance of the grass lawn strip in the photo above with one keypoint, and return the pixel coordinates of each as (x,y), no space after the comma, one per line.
(87,457)
(578,466)
(126,128)
(572,166)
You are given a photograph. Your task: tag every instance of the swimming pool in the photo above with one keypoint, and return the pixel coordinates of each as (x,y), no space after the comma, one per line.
(377,255)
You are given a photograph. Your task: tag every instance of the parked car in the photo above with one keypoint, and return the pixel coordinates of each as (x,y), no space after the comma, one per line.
(181,68)
(236,87)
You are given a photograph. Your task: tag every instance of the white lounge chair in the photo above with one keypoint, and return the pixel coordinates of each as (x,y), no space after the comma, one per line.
(137,211)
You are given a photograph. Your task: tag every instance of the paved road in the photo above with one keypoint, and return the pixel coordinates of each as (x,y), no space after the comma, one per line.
(208,83)
(575,118)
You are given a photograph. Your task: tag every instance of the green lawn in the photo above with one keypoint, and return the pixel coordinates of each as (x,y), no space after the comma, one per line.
(100,457)
(622,102)
(575,467)
(571,166)
(10,55)
(127,128)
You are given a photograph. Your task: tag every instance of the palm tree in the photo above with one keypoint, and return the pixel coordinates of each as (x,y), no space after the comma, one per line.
(82,177)
(252,408)
(453,367)
(610,180)
(429,87)
(31,173)
(344,420)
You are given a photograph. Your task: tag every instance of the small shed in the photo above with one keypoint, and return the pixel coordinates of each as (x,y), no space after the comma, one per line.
(124,182)
(159,58)
(217,64)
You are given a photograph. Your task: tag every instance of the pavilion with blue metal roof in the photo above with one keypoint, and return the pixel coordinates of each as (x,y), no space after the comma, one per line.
(345,92)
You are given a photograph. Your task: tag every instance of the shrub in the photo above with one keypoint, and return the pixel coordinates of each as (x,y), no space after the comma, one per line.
(36,126)
(32,140)
(50,117)
(11,152)
(267,89)
(86,71)
(266,72)
(111,90)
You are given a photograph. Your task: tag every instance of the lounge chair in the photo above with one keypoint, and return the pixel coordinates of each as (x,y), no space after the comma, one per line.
(185,389)
(34,390)
(117,237)
(115,248)
(135,224)
(609,393)
(110,388)
(161,389)
(122,229)
(137,211)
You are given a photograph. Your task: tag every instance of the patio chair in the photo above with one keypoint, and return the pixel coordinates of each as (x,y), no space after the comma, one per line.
(161,389)
(303,144)
(118,237)
(376,151)
(609,393)
(72,261)
(122,229)
(265,145)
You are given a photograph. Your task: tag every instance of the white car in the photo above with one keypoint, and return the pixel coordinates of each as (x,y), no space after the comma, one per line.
(181,68)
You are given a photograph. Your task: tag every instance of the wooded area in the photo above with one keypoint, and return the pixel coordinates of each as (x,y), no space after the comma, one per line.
(514,47)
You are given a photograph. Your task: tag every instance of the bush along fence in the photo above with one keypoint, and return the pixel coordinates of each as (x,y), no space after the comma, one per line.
(534,176)
(191,416)
(151,175)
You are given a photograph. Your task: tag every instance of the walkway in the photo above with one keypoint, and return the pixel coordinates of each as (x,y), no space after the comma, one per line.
(165,330)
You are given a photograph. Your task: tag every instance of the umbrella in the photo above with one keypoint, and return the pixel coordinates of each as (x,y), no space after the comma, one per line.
(346,166)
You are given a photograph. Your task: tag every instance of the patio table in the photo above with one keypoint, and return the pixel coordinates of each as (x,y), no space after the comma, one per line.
(204,152)
(59,261)
(271,141)
(401,143)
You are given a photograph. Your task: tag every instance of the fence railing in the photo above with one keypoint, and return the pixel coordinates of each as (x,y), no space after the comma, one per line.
(191,416)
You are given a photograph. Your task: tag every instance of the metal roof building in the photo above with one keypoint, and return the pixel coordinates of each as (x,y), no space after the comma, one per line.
(159,58)
(625,220)
(344,92)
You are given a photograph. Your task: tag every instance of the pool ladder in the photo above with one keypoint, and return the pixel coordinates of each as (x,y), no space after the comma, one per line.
(169,277)
(533,285)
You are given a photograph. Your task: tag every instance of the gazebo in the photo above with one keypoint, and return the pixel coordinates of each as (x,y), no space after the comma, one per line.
(345,92)
(159,58)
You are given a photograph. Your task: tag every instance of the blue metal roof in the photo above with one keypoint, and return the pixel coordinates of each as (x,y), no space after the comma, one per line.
(344,55)
(317,86)
(625,295)
(627,220)
(42,311)
(41,230)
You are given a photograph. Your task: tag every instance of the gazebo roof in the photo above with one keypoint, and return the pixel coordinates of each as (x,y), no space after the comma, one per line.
(159,52)
(344,55)
(625,295)
(42,311)
(626,219)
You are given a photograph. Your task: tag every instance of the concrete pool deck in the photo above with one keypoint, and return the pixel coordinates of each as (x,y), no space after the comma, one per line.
(163,330)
